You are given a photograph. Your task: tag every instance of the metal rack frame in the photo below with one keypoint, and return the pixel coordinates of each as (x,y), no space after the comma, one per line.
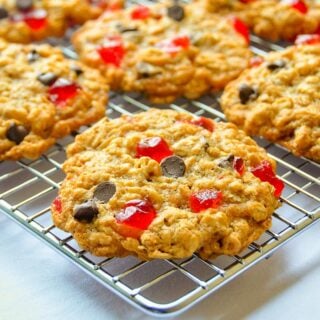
(28,187)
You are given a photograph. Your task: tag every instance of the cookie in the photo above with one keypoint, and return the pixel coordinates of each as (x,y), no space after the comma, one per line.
(165,51)
(272,19)
(23,21)
(83,10)
(163,184)
(44,96)
(279,99)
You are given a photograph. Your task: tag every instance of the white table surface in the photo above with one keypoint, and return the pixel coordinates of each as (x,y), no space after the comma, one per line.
(38,283)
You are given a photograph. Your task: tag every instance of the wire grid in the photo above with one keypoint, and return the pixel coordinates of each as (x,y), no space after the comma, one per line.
(159,287)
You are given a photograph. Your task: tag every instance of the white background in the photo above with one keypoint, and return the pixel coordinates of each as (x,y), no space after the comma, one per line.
(38,283)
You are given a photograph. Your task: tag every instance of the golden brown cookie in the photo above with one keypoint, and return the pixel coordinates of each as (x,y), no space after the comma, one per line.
(163,184)
(272,19)
(83,10)
(165,51)
(24,21)
(279,99)
(43,97)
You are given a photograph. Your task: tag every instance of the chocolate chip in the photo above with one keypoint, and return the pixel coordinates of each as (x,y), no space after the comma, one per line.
(105,191)
(3,13)
(176,12)
(77,70)
(173,167)
(226,162)
(24,5)
(146,70)
(48,78)
(246,93)
(123,29)
(278,64)
(86,212)
(16,133)
(33,56)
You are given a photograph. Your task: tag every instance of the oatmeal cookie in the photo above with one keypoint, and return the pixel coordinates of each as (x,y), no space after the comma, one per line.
(43,97)
(83,10)
(280,99)
(23,21)
(165,51)
(163,184)
(272,19)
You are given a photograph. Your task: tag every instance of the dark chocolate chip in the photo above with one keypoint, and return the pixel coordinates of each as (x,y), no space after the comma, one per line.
(16,133)
(124,29)
(278,64)
(146,70)
(86,212)
(24,5)
(33,56)
(3,13)
(206,146)
(176,12)
(48,78)
(77,70)
(226,162)
(105,191)
(246,93)
(173,167)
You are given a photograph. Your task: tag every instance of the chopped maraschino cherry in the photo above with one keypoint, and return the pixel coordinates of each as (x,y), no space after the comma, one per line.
(265,172)
(240,27)
(246,1)
(35,19)
(140,13)
(238,165)
(155,148)
(256,61)
(205,199)
(204,122)
(174,45)
(112,51)
(137,214)
(307,39)
(62,90)
(57,204)
(299,5)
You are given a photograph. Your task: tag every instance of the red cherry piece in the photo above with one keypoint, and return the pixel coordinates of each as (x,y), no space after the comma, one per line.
(57,204)
(246,1)
(307,39)
(265,172)
(256,61)
(36,19)
(240,27)
(205,199)
(140,13)
(155,148)
(137,214)
(204,122)
(62,90)
(174,45)
(299,5)
(238,165)
(182,41)
(112,51)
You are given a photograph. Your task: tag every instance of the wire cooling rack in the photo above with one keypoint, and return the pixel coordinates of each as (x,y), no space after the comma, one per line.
(159,287)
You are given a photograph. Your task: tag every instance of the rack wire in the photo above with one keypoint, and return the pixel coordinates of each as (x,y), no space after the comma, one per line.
(160,287)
